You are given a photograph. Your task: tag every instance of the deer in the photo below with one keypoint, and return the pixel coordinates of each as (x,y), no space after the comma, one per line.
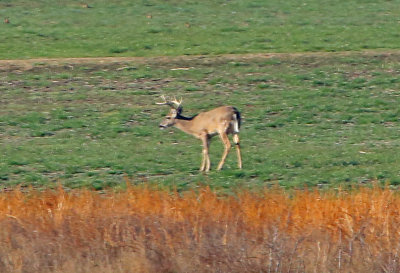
(222,121)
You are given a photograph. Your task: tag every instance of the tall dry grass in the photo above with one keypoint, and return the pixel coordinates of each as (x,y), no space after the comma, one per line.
(143,230)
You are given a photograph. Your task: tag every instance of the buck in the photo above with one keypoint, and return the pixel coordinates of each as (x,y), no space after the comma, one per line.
(220,121)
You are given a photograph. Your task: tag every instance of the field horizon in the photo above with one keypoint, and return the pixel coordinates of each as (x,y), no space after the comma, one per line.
(158,28)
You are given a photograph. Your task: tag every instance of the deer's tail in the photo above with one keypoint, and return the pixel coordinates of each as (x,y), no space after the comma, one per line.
(237,120)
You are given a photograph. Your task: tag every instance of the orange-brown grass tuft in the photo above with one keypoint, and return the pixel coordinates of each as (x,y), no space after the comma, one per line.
(143,230)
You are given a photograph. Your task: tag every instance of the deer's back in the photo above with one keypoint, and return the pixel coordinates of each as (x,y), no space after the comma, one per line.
(216,119)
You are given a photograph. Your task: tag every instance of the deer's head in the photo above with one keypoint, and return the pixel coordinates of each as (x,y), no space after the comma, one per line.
(176,109)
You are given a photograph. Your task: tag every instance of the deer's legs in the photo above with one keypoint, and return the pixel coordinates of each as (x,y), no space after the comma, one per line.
(237,144)
(208,162)
(205,164)
(227,146)
(203,161)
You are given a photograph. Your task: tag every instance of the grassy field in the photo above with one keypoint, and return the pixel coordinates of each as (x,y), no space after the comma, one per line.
(70,28)
(316,119)
(141,230)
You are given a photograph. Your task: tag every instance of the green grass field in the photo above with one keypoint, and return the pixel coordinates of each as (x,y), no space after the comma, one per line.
(316,119)
(325,119)
(69,28)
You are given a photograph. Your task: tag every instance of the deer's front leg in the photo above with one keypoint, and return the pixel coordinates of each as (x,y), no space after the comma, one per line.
(205,164)
(203,161)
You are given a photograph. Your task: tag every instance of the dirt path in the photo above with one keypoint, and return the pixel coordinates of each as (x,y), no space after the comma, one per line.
(27,64)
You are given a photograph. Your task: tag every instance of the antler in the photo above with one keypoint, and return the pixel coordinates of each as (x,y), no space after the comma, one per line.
(164,101)
(173,103)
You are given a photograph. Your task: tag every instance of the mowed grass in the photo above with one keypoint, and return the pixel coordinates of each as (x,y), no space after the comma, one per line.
(157,28)
(308,120)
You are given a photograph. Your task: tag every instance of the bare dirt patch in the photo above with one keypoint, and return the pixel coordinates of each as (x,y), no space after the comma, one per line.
(27,64)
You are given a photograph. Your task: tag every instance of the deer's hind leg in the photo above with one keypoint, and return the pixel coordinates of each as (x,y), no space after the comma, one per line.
(227,146)
(237,144)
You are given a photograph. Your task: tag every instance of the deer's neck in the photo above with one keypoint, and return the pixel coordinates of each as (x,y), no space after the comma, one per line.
(185,124)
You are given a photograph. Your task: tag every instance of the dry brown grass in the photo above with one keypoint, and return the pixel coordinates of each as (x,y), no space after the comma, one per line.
(143,230)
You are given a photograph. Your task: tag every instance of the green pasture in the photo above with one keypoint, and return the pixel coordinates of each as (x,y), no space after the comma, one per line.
(324,119)
(75,28)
